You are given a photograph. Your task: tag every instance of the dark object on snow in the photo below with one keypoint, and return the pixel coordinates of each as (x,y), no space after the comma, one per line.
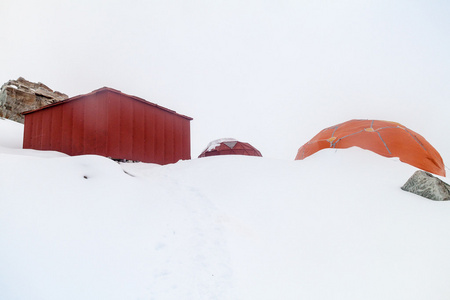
(426,185)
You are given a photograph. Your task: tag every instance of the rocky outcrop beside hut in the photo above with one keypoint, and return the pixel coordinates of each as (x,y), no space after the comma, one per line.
(17,96)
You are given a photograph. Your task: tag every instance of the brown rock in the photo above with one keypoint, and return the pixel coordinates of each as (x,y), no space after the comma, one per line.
(18,96)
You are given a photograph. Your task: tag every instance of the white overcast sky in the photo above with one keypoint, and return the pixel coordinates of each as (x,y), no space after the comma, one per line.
(272,73)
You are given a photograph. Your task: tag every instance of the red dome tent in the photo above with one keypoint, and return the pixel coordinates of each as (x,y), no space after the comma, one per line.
(386,138)
(229,147)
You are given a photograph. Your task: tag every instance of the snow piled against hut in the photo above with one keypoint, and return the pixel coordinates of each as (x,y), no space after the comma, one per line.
(333,226)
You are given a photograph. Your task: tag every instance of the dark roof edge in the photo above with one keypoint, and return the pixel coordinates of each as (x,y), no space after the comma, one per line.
(103,89)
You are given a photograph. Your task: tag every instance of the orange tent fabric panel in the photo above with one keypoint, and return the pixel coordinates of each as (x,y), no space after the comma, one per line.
(386,138)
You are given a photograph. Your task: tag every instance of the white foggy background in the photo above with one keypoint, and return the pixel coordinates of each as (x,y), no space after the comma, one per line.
(272,73)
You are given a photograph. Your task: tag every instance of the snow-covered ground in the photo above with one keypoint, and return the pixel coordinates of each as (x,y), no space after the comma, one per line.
(333,226)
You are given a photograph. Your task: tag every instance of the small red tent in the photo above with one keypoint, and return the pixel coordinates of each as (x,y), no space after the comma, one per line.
(386,138)
(229,147)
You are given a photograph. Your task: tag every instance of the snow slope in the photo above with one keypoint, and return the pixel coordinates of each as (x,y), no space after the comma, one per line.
(333,226)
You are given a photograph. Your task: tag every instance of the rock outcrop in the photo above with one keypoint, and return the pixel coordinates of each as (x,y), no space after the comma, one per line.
(18,96)
(426,185)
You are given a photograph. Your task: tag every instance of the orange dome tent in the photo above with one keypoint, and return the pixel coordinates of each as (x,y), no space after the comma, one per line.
(386,138)
(229,147)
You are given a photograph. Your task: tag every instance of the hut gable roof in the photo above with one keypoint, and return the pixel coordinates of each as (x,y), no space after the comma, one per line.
(111,90)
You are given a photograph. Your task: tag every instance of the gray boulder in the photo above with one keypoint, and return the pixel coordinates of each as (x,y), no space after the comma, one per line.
(426,185)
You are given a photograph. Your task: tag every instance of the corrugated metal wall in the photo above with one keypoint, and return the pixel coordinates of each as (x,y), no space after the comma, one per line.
(111,124)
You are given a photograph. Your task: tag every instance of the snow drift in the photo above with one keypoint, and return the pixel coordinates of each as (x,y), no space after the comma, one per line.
(334,226)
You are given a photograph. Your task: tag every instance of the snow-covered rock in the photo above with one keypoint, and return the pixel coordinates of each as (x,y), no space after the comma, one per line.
(426,185)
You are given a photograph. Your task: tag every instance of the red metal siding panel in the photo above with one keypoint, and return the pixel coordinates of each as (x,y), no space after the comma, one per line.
(126,128)
(46,129)
(56,133)
(66,128)
(101,131)
(90,124)
(178,138)
(113,145)
(78,128)
(186,144)
(27,134)
(159,137)
(37,132)
(138,131)
(149,135)
(168,139)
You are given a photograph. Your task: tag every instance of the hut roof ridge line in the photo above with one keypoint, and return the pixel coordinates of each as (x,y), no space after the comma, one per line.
(102,89)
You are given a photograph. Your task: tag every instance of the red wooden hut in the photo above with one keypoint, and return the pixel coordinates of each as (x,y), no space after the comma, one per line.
(110,123)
